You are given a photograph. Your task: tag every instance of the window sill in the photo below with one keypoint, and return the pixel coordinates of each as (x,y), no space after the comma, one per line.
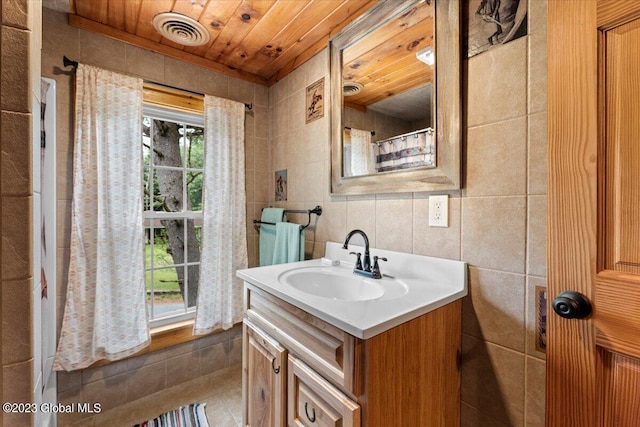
(171,334)
(162,337)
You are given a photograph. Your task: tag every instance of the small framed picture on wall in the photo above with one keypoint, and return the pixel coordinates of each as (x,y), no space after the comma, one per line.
(315,101)
(281,185)
(493,23)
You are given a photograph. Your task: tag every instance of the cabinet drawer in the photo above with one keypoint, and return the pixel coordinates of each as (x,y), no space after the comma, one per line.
(320,345)
(312,401)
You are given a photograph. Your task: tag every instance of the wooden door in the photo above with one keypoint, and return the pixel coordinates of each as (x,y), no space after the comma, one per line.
(593,364)
(264,379)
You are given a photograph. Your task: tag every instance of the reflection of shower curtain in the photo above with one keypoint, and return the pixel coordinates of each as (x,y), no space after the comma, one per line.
(416,149)
(362,158)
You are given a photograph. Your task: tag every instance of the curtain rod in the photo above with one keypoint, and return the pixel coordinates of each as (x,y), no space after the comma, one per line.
(69,63)
(373,132)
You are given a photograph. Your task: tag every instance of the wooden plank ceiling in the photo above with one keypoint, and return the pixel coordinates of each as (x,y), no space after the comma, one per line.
(256,40)
(264,40)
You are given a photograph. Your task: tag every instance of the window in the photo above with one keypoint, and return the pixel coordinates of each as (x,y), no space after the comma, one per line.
(173,150)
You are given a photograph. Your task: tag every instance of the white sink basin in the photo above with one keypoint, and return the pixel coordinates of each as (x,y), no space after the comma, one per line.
(327,283)
(340,283)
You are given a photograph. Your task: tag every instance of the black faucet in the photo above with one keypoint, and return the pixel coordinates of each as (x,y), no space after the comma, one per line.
(364,267)
(366,263)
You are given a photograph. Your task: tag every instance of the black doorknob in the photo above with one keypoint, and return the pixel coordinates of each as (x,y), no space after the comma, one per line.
(571,305)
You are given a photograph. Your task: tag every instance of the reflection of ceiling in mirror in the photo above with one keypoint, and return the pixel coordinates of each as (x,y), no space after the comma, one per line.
(413,105)
(385,63)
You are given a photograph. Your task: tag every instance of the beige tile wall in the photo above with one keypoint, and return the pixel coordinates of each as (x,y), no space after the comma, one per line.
(497,222)
(123,381)
(20,33)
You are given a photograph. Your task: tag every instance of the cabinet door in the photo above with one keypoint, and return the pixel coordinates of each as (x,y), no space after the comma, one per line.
(314,402)
(264,379)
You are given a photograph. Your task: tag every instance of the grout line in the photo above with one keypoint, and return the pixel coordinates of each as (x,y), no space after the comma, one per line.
(483,413)
(502,347)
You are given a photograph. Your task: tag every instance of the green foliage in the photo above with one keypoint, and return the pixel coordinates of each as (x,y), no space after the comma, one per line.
(195,158)
(165,278)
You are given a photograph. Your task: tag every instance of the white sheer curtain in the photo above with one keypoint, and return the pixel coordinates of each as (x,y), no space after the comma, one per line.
(224,233)
(362,161)
(105,314)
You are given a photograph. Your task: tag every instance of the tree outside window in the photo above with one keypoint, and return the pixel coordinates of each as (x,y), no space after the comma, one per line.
(173,166)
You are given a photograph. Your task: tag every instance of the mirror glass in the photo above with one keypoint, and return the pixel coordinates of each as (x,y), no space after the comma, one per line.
(391,130)
(388,79)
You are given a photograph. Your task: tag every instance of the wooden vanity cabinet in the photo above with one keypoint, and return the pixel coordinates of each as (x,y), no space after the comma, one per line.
(264,378)
(407,376)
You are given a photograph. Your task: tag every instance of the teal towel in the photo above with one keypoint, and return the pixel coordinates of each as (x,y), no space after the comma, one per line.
(289,246)
(268,234)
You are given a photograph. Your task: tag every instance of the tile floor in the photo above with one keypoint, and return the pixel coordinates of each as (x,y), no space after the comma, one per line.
(221,391)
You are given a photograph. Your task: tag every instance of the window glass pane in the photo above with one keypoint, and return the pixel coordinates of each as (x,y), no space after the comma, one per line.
(146,191)
(167,296)
(167,138)
(146,124)
(174,233)
(198,223)
(194,190)
(194,147)
(148,252)
(168,190)
(146,153)
(157,254)
(193,276)
(148,298)
(192,249)
(193,239)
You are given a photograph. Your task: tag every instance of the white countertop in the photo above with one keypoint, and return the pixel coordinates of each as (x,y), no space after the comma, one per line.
(430,283)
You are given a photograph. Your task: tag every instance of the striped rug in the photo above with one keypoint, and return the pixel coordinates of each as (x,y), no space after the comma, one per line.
(193,415)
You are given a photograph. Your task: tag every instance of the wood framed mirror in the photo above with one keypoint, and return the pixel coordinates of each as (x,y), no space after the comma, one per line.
(402,59)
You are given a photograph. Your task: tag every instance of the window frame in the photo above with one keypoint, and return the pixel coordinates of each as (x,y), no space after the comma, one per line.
(184,117)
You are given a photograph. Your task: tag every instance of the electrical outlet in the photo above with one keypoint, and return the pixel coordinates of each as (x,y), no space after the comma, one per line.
(439,211)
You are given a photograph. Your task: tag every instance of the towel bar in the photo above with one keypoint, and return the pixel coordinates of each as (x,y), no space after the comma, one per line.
(317,211)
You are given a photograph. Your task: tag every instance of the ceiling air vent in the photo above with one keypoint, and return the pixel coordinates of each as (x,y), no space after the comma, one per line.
(181,29)
(351,88)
